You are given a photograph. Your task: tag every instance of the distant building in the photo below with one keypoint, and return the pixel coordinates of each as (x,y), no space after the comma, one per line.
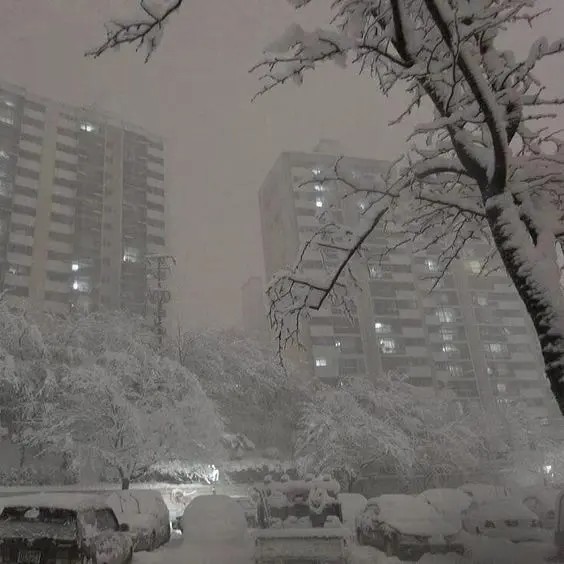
(81,204)
(255,322)
(471,333)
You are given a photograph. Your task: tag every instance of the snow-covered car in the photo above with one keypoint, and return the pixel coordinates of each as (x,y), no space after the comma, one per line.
(484,493)
(145,513)
(542,502)
(450,503)
(250,509)
(406,526)
(505,518)
(66,528)
(214,529)
(352,505)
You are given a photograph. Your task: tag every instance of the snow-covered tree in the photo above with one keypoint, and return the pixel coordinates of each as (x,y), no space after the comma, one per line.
(255,395)
(124,405)
(478,169)
(385,425)
(27,384)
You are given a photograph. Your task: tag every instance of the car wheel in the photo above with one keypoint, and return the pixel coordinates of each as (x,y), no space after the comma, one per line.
(152,542)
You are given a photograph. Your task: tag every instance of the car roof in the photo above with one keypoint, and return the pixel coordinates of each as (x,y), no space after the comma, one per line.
(68,501)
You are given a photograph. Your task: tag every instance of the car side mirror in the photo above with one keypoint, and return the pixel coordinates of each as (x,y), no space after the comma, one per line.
(124,528)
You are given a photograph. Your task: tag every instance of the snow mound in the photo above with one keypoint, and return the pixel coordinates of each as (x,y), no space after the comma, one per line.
(214,519)
(448,502)
(352,505)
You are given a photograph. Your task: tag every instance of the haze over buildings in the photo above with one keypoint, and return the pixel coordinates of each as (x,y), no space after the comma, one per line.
(470,334)
(81,204)
(255,322)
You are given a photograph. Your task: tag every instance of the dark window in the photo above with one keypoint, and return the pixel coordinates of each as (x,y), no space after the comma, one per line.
(106,520)
(29,155)
(23,210)
(57,199)
(20,249)
(153,206)
(25,191)
(154,159)
(34,106)
(56,255)
(58,276)
(64,148)
(67,132)
(52,296)
(31,138)
(31,121)
(21,228)
(62,237)
(65,182)
(27,173)
(156,240)
(17,290)
(61,218)
(63,165)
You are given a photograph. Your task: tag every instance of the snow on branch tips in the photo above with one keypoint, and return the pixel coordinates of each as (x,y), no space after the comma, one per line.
(144,30)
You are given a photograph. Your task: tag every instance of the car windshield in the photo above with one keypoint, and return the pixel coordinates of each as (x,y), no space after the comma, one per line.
(48,515)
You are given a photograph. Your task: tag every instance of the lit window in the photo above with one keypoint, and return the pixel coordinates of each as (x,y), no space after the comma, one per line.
(455,371)
(362,205)
(449,348)
(481,300)
(338,344)
(319,362)
(318,187)
(445,315)
(4,155)
(319,202)
(496,349)
(431,265)
(81,285)
(382,327)
(130,254)
(387,346)
(316,171)
(501,388)
(7,112)
(87,126)
(446,334)
(375,271)
(474,266)
(74,266)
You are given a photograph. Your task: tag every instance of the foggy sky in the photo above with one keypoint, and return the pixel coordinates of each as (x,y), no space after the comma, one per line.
(196,93)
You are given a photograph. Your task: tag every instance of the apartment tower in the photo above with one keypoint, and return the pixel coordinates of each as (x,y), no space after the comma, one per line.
(81,205)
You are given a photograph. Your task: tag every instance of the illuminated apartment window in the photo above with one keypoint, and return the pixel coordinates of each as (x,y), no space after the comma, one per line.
(362,205)
(7,112)
(318,187)
(431,265)
(481,300)
(131,254)
(387,346)
(316,171)
(87,126)
(320,362)
(75,266)
(501,388)
(455,371)
(375,271)
(318,202)
(81,285)
(496,350)
(338,344)
(382,327)
(445,315)
(449,348)
(446,334)
(474,266)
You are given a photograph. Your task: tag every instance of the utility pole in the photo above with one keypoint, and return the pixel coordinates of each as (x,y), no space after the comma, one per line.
(158,266)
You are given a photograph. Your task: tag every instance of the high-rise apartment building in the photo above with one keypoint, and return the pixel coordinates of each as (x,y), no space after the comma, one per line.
(81,204)
(471,333)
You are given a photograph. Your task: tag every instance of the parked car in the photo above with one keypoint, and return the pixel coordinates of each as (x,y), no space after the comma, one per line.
(542,502)
(406,526)
(484,493)
(145,513)
(214,529)
(449,502)
(505,518)
(62,528)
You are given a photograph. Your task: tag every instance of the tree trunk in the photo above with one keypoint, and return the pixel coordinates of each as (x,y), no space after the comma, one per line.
(544,307)
(125,483)
(22,456)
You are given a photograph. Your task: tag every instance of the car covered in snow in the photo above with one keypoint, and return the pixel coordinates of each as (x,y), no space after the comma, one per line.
(145,513)
(450,503)
(542,502)
(484,493)
(62,528)
(406,526)
(505,518)
(214,529)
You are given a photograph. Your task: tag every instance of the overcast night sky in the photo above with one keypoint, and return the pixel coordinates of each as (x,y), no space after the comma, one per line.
(196,93)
